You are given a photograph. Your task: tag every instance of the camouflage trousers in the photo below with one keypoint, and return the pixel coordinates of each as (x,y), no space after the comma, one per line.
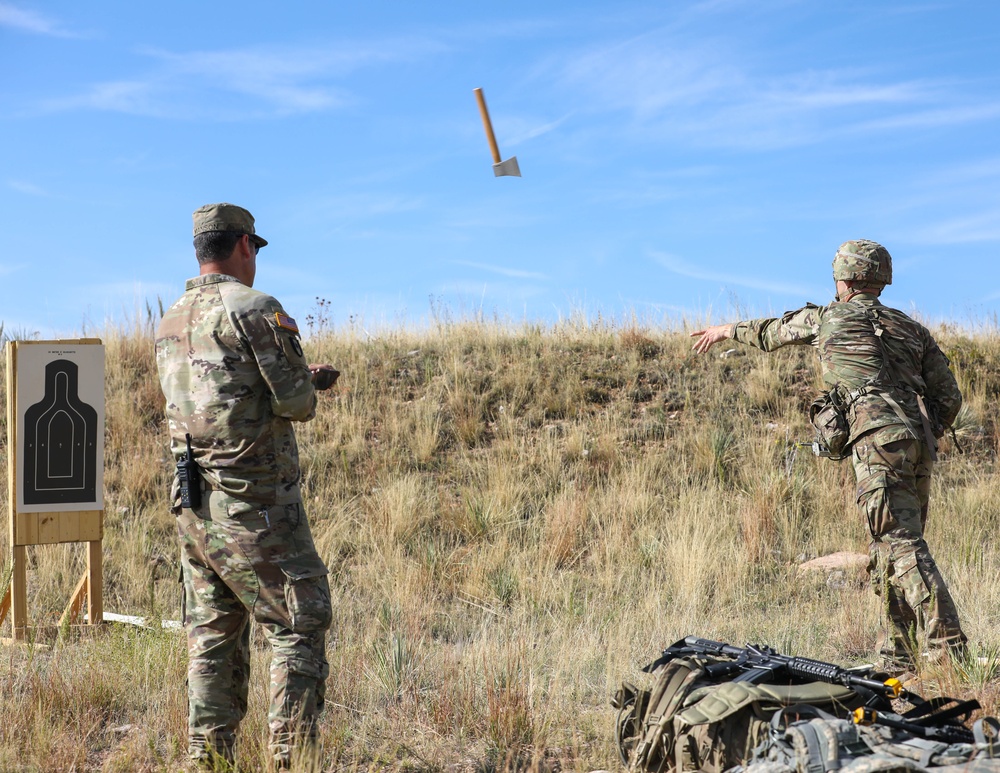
(894,475)
(238,560)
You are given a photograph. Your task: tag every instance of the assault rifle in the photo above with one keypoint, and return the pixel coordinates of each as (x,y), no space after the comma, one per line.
(934,719)
(759,664)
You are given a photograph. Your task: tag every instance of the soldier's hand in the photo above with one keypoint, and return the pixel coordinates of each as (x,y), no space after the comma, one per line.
(710,336)
(323,376)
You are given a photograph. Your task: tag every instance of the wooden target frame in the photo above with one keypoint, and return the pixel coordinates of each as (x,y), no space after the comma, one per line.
(55,463)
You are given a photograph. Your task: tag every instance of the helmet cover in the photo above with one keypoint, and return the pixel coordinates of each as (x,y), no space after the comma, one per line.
(863,260)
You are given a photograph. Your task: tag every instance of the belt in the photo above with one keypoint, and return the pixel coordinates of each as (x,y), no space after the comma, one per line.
(928,436)
(852,395)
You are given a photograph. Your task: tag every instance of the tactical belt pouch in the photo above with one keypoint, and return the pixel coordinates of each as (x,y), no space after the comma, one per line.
(830,421)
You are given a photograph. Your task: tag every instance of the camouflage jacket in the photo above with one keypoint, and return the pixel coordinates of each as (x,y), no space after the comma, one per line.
(233,374)
(854,363)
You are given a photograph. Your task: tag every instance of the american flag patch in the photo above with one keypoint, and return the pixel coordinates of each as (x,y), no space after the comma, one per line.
(285,322)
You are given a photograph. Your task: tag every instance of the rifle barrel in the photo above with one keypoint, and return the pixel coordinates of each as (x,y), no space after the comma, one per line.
(714,647)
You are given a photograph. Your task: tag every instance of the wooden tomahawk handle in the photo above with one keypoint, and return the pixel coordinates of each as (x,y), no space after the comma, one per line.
(487,125)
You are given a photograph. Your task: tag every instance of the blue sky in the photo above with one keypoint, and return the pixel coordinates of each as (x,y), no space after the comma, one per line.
(680,159)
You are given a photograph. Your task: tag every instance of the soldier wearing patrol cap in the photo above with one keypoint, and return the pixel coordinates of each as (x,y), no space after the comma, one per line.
(234,377)
(892,386)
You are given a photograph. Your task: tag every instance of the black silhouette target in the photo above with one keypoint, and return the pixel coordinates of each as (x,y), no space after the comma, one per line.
(60,442)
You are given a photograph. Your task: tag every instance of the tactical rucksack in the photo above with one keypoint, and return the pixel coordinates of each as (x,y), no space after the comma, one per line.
(691,720)
(717,708)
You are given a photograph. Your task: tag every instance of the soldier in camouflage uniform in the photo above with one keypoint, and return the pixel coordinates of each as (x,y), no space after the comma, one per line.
(234,377)
(894,385)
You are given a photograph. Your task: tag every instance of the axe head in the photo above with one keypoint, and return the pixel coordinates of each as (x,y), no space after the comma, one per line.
(507,168)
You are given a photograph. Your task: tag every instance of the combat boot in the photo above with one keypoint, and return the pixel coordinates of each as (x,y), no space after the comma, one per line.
(211,760)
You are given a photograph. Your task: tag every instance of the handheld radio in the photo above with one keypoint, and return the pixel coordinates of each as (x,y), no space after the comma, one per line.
(189,478)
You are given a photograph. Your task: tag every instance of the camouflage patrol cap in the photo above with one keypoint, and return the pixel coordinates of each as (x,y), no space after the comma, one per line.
(864,261)
(225,217)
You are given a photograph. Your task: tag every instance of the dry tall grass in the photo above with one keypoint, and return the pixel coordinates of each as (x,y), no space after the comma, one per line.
(516,518)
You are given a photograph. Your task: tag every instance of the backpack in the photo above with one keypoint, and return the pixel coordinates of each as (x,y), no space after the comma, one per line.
(693,720)
(721,709)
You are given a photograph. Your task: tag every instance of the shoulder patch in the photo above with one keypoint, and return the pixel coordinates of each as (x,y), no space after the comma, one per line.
(285,322)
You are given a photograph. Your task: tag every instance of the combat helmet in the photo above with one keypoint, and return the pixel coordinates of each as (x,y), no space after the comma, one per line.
(864,261)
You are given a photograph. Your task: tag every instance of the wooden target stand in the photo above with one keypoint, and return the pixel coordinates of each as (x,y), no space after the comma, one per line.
(65,522)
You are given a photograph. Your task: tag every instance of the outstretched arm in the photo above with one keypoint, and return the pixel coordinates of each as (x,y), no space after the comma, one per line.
(710,336)
(768,333)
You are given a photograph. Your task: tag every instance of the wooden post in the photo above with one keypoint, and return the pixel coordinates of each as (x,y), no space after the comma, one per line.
(19,593)
(95,583)
(18,577)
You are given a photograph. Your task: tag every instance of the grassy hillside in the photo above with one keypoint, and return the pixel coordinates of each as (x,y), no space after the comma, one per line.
(515,520)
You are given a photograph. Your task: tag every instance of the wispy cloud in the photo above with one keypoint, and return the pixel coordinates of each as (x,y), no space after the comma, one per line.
(128,289)
(713,93)
(489,292)
(30,21)
(680,267)
(521,130)
(347,211)
(513,273)
(981,169)
(11,268)
(240,83)
(22,186)
(949,115)
(126,300)
(643,76)
(970,229)
(656,306)
(645,188)
(950,204)
(133,97)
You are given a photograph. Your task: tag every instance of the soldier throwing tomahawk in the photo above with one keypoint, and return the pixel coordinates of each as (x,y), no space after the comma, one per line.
(232,371)
(895,394)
